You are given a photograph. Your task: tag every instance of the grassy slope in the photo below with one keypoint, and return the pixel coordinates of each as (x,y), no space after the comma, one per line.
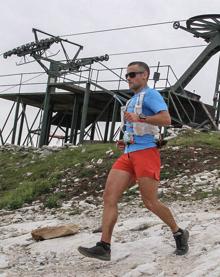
(190,138)
(18,186)
(22,180)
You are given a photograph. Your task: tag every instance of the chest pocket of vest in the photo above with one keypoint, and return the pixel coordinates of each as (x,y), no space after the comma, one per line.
(139,128)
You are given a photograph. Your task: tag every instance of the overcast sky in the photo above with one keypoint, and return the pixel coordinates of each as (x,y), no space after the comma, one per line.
(69,16)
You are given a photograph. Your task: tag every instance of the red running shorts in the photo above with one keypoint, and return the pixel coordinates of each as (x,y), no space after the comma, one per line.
(141,163)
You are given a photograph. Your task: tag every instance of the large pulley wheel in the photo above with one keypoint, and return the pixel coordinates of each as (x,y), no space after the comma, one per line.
(205,26)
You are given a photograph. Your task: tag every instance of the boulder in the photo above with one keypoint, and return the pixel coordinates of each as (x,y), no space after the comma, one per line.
(54,232)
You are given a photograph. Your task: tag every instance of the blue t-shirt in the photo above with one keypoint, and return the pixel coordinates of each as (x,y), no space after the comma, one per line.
(152,104)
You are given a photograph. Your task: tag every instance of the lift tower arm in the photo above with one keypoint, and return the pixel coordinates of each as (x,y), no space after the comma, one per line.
(208,28)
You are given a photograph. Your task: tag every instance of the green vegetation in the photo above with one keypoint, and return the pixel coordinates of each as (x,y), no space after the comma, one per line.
(53,201)
(25,176)
(193,138)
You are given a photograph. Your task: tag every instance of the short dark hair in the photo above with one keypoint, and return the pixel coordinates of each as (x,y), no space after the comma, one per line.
(143,65)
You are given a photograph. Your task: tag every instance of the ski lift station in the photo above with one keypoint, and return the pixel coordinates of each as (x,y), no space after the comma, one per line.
(77,100)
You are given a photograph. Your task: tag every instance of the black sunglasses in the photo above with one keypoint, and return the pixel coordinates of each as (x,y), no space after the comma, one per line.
(132,74)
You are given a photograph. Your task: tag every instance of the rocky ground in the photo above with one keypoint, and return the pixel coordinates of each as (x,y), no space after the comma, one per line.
(178,164)
(142,244)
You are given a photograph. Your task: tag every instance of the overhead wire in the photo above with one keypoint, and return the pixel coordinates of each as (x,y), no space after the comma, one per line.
(122,28)
(156,50)
(133,27)
(153,50)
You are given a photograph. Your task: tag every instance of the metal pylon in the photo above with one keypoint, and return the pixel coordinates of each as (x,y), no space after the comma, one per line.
(216,98)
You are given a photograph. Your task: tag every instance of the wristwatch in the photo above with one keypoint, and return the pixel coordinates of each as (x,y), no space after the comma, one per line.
(142,117)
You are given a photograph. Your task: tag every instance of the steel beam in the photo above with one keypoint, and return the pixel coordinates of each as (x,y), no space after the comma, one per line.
(114,118)
(21,124)
(15,121)
(50,114)
(50,89)
(66,134)
(74,119)
(84,112)
(194,68)
(216,99)
(107,126)
(92,134)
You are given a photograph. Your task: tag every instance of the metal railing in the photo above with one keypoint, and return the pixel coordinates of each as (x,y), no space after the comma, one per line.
(103,79)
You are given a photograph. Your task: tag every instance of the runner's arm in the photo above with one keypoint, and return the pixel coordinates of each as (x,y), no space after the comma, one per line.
(161,118)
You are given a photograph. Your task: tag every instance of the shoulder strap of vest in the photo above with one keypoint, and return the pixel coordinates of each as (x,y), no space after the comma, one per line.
(122,114)
(139,102)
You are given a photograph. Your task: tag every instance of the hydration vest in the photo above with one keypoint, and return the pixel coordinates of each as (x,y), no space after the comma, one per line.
(139,128)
